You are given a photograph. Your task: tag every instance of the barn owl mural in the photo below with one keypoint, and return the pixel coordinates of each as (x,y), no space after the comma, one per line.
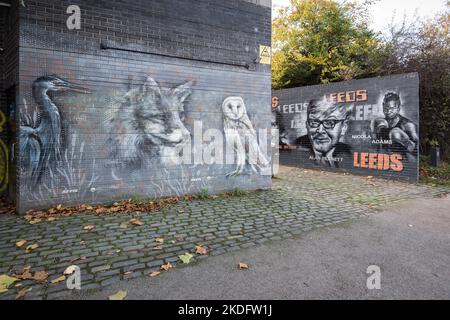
(241,137)
(147,123)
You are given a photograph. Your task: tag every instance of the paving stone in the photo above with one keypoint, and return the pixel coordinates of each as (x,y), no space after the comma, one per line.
(101,268)
(291,208)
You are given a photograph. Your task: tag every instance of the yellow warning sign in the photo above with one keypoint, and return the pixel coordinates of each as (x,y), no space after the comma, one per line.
(265,54)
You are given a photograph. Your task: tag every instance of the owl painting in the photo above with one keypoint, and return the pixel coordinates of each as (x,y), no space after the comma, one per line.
(241,137)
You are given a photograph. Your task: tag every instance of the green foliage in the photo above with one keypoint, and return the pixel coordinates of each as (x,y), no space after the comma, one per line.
(239,192)
(424,47)
(438,176)
(322,41)
(204,194)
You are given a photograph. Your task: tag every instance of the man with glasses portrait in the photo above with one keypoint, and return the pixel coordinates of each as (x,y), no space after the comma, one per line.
(326,124)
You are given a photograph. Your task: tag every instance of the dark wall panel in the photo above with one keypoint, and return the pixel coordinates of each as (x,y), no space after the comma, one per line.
(368,126)
(151,77)
(9,58)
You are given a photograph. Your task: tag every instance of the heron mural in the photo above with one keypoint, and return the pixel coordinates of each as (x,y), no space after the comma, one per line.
(40,145)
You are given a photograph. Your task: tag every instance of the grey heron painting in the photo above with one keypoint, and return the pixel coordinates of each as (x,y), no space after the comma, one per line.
(40,145)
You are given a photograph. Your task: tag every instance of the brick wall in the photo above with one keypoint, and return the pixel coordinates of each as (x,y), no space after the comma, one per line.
(112,145)
(9,57)
(363,136)
(3,135)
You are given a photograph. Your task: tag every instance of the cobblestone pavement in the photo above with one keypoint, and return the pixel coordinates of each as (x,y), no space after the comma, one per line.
(300,200)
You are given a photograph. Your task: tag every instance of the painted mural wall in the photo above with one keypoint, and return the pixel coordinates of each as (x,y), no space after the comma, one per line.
(9,60)
(368,126)
(153,106)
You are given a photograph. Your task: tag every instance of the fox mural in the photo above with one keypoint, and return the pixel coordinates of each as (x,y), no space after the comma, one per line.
(147,123)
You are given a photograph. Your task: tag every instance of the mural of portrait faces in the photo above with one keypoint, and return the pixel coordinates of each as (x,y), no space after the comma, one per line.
(326,124)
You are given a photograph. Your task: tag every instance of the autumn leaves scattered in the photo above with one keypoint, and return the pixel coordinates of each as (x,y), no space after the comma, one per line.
(184,258)
(29,249)
(39,277)
(6,207)
(129,206)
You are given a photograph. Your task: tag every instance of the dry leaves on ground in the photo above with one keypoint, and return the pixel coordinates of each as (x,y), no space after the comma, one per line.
(88,227)
(159,240)
(200,250)
(31,248)
(186,258)
(20,243)
(5,282)
(154,274)
(24,274)
(40,277)
(126,207)
(136,222)
(59,279)
(6,207)
(22,293)
(243,266)
(167,266)
(120,295)
(35,221)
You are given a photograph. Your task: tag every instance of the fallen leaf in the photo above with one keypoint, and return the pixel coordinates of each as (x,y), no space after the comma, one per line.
(24,274)
(59,279)
(200,250)
(243,266)
(89,208)
(59,207)
(166,267)
(20,243)
(136,222)
(128,272)
(157,248)
(35,221)
(31,248)
(118,296)
(159,240)
(70,270)
(40,277)
(5,282)
(154,274)
(186,258)
(22,293)
(124,226)
(51,219)
(89,227)
(370,177)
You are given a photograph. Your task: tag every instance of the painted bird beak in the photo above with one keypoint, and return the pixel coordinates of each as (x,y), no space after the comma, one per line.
(76,88)
(67,86)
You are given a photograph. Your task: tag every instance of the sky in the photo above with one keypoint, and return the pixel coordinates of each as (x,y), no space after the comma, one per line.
(384,10)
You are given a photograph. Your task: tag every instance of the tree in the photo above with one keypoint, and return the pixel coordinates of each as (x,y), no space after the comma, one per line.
(424,47)
(322,41)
